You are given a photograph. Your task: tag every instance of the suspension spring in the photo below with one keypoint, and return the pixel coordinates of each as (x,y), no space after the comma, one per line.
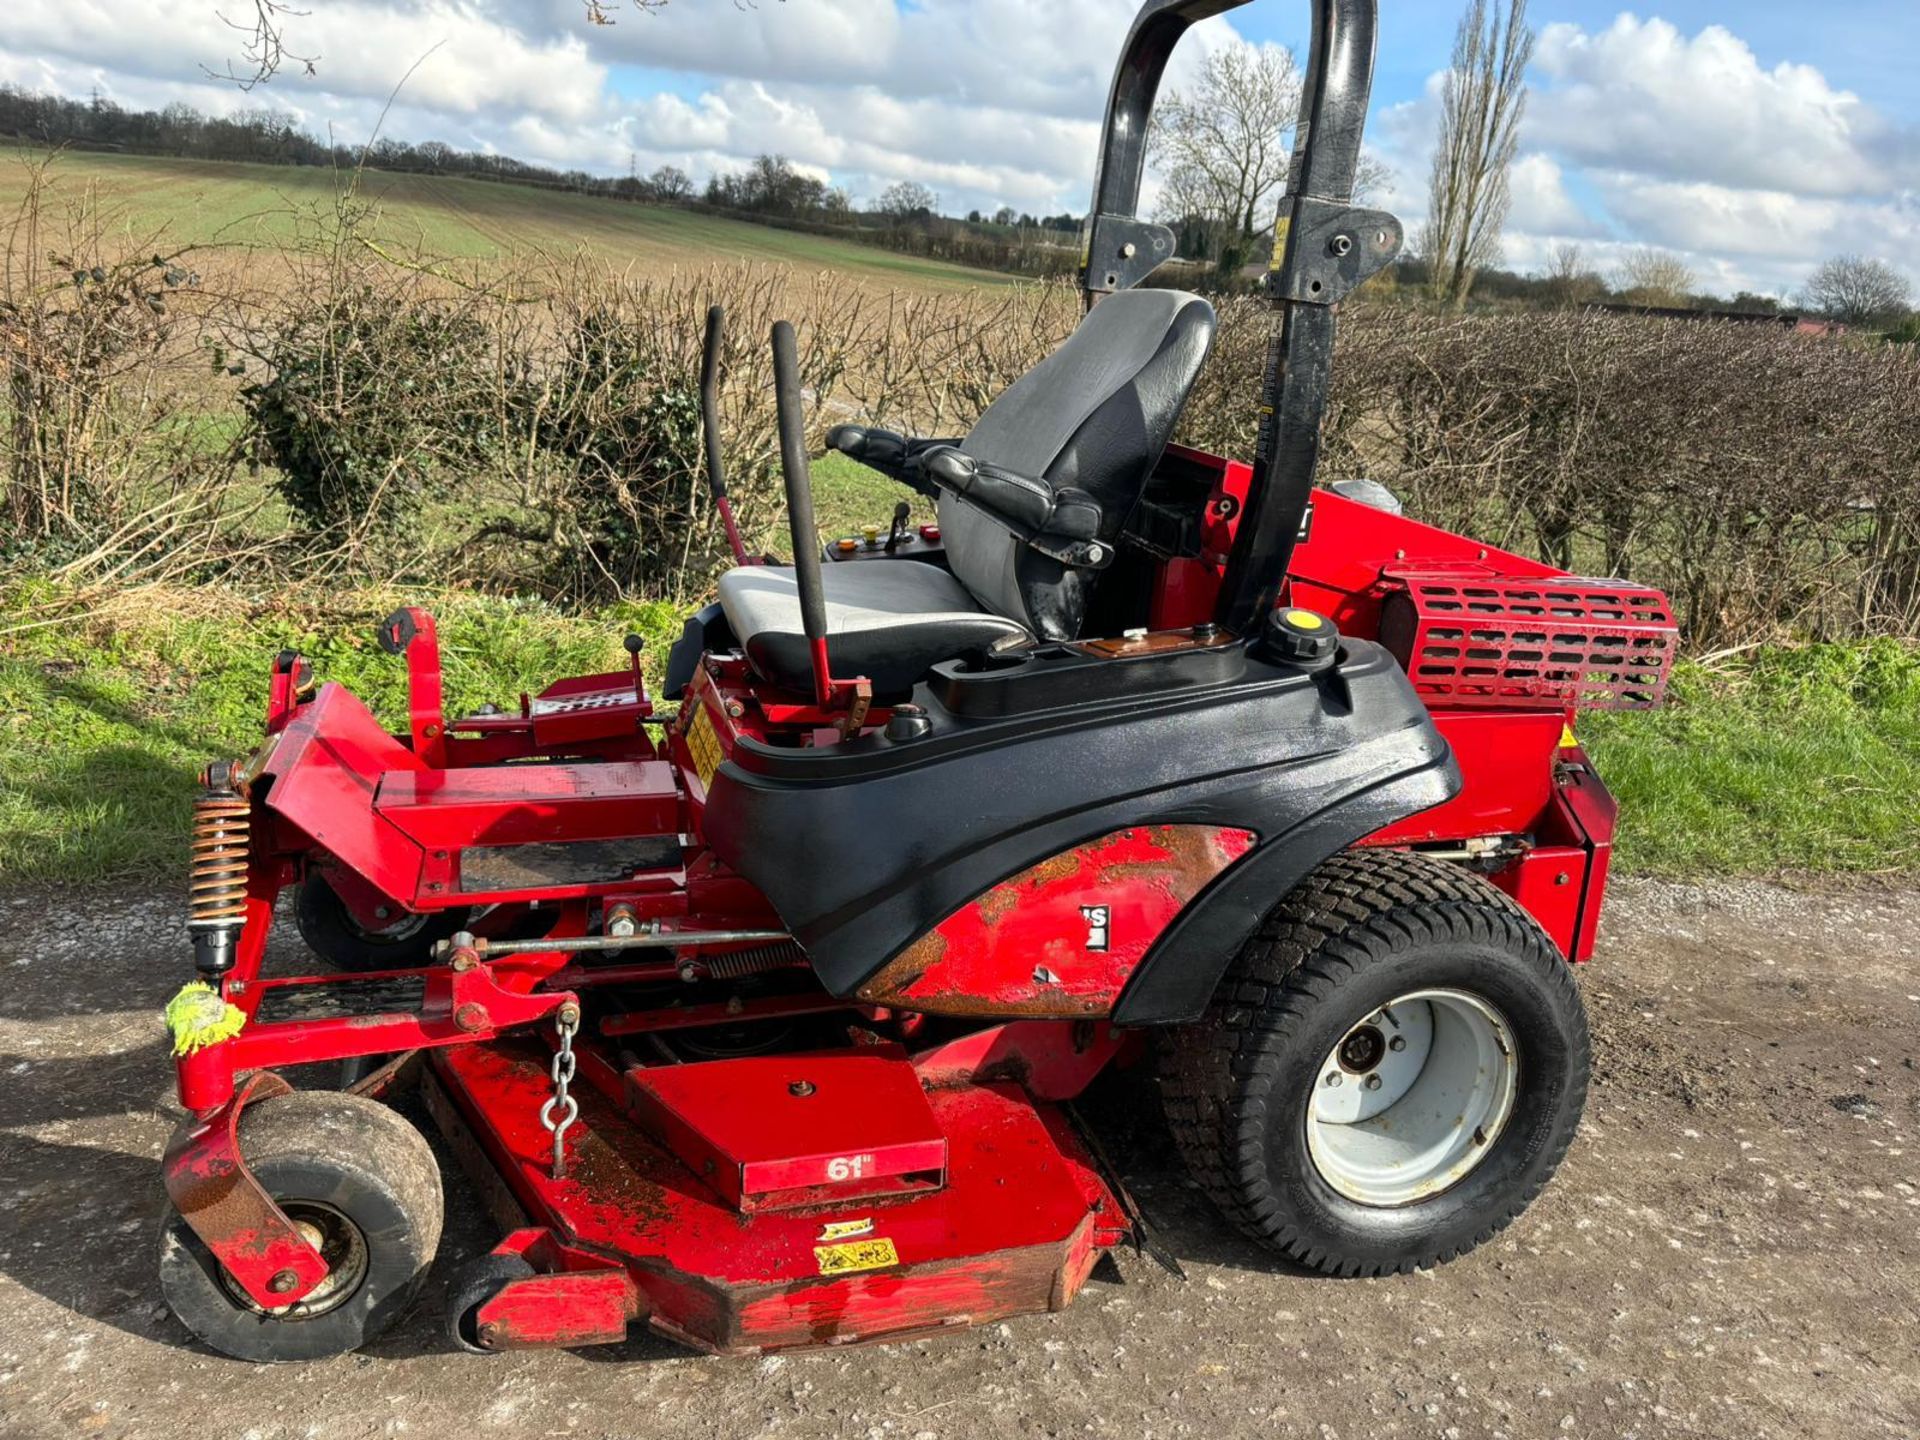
(217,887)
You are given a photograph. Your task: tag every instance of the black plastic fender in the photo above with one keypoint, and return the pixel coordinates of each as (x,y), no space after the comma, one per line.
(1176,980)
(863,847)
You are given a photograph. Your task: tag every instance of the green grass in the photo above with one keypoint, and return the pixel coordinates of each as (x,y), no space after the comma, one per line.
(1797,760)
(105,719)
(188,202)
(847,495)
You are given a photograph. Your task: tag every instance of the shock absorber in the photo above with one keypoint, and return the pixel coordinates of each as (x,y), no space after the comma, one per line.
(217,890)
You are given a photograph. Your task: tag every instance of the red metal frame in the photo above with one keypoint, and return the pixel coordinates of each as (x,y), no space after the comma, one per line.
(840,1188)
(1021,1217)
(210,1185)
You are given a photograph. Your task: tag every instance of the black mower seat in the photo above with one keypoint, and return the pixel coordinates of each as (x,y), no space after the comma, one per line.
(890,621)
(1063,453)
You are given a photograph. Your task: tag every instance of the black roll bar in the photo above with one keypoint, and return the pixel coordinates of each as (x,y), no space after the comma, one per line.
(1329,249)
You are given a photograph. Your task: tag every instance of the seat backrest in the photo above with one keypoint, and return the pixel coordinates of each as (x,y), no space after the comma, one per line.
(1096,414)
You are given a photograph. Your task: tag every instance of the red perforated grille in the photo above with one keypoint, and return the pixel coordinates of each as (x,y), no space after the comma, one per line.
(1478,640)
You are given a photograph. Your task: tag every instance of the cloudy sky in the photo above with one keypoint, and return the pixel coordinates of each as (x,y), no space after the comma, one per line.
(1757,138)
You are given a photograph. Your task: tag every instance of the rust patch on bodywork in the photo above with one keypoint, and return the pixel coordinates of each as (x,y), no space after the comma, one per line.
(1061,938)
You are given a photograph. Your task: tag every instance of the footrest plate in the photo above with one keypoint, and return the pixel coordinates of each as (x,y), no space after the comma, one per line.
(785,1131)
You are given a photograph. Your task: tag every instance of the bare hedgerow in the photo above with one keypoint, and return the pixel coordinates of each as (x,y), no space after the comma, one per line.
(108,473)
(530,424)
(1769,481)
(605,493)
(610,492)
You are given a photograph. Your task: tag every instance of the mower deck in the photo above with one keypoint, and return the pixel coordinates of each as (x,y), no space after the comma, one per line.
(743,1211)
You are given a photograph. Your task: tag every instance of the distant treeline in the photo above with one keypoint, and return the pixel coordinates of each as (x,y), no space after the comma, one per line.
(904,217)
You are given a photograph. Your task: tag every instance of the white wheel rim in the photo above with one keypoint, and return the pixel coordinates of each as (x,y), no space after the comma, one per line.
(1412,1098)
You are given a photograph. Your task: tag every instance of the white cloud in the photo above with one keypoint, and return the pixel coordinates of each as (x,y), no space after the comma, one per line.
(863,134)
(467,63)
(987,101)
(1637,134)
(1641,96)
(1541,204)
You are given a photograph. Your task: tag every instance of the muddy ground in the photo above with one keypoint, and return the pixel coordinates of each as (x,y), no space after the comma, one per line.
(1733,1247)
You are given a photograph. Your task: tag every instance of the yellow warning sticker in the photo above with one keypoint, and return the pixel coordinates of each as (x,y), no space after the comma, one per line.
(704,746)
(1567,742)
(854,1256)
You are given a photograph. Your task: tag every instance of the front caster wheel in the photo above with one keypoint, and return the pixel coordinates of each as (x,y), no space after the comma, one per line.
(1390,1071)
(363,1186)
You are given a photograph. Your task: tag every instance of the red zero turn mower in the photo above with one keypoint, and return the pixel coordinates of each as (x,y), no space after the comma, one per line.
(754,1021)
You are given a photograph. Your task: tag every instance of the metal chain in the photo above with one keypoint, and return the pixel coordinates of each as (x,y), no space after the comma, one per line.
(566,1021)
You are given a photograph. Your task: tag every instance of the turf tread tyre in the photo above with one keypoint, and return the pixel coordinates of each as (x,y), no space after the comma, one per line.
(1353,912)
(345,1151)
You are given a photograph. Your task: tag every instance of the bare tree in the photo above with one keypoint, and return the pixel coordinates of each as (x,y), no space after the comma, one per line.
(1858,291)
(1480,109)
(671,184)
(263,46)
(1222,147)
(1657,277)
(1370,177)
(1570,279)
(907,200)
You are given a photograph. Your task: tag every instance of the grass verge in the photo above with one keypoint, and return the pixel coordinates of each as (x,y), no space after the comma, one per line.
(105,718)
(1793,760)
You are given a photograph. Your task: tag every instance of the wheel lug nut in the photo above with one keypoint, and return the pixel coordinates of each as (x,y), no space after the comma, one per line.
(1398,1042)
(1333,1078)
(1372,1082)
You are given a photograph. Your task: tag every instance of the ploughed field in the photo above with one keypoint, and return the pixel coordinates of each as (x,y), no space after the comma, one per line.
(248,209)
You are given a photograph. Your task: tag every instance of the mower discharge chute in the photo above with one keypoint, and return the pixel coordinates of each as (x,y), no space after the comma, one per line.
(747,1018)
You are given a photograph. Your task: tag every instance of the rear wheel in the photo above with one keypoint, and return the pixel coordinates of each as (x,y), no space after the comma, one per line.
(399,941)
(1390,1071)
(363,1187)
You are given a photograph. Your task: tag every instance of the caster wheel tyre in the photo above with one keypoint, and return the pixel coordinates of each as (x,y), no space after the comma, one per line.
(333,934)
(1390,1071)
(474,1285)
(364,1186)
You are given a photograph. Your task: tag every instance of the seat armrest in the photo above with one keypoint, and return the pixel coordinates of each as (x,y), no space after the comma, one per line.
(894,455)
(1063,523)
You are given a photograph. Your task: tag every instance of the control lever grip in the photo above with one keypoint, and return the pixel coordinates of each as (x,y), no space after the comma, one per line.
(806,536)
(710,428)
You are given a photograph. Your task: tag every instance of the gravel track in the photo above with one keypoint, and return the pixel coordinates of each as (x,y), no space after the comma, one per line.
(1732,1249)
